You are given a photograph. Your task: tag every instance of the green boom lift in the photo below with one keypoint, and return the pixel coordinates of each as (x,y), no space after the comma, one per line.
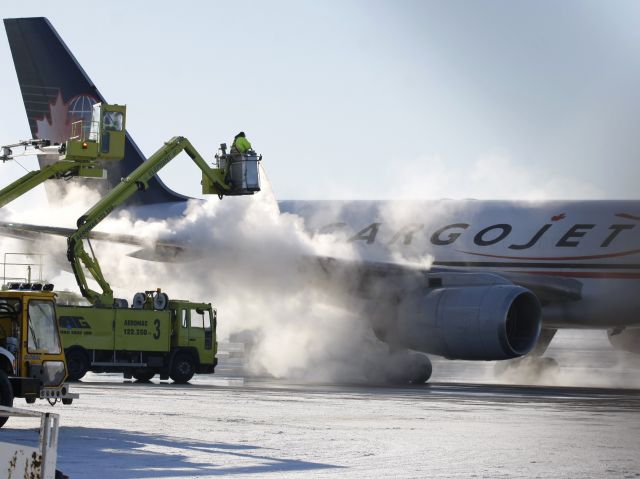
(155,336)
(103,139)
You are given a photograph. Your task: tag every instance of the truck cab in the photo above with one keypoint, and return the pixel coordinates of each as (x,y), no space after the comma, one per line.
(32,361)
(195,328)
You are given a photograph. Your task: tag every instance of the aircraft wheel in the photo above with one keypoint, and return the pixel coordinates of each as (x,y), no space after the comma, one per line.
(422,372)
(77,364)
(6,395)
(408,368)
(183,368)
(143,375)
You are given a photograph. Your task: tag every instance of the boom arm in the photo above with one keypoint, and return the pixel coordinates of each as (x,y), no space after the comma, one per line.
(78,156)
(214,181)
(59,169)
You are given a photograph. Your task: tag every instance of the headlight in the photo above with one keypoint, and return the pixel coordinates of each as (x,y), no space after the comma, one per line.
(53,373)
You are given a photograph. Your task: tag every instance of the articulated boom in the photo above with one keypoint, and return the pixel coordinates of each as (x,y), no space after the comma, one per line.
(61,169)
(238,176)
(102,139)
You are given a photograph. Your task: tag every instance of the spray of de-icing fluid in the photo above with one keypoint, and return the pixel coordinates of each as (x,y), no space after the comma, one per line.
(252,262)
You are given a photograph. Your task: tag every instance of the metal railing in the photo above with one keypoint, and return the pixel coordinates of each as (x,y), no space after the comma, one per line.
(38,462)
(29,266)
(81,130)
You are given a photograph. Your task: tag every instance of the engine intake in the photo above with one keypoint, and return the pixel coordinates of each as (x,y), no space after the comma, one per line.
(485,322)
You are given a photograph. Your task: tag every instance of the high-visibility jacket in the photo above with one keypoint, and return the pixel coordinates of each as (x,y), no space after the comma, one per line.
(241,144)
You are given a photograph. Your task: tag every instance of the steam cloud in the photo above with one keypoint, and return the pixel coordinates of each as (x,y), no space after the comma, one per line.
(247,258)
(249,261)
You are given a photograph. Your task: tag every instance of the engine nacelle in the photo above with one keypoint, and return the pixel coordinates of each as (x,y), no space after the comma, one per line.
(484,322)
(627,339)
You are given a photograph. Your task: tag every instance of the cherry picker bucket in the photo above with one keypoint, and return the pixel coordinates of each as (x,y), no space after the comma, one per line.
(244,173)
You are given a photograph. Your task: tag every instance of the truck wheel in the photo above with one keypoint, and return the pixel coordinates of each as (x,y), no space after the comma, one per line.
(143,375)
(6,394)
(77,364)
(182,369)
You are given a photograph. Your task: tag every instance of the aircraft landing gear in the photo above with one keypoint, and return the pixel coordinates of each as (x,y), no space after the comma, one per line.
(407,367)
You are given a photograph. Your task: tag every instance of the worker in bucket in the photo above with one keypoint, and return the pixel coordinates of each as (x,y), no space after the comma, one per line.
(240,144)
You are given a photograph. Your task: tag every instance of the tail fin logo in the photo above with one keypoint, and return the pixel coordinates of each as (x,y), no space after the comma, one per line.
(56,126)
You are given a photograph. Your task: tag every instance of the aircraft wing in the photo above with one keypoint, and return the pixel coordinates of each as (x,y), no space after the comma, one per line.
(363,278)
(161,250)
(548,289)
(380,278)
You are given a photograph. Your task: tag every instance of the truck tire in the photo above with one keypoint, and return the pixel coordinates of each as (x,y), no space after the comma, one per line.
(77,364)
(6,394)
(183,368)
(143,375)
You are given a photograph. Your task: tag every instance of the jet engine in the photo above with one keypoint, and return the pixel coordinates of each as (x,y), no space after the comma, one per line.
(483,322)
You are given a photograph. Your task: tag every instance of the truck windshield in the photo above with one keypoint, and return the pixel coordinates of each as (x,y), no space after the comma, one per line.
(43,335)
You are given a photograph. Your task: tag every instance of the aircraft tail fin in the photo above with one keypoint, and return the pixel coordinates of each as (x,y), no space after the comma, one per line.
(57,92)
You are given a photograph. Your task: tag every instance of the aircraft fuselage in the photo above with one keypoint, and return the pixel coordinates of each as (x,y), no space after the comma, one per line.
(595,242)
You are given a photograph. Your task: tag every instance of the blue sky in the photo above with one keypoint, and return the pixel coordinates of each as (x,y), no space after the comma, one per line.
(370,99)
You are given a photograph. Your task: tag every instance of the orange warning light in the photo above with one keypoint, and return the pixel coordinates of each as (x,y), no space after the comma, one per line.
(85,145)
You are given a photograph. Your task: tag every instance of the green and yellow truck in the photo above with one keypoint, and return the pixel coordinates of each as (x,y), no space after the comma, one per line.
(175,342)
(172,338)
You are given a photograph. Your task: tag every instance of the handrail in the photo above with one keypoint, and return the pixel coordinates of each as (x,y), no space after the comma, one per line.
(38,462)
(39,265)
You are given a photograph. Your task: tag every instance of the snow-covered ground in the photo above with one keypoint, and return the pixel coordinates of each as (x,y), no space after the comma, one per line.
(271,429)
(233,427)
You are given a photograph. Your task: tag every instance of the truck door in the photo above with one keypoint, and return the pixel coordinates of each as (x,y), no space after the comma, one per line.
(201,334)
(44,351)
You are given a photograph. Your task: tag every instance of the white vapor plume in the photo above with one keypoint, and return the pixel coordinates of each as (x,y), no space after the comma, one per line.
(575,358)
(248,260)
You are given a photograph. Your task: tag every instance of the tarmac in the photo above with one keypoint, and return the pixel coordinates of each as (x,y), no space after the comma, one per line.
(455,426)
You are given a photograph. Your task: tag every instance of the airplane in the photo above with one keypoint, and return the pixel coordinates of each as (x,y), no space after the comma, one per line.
(463,279)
